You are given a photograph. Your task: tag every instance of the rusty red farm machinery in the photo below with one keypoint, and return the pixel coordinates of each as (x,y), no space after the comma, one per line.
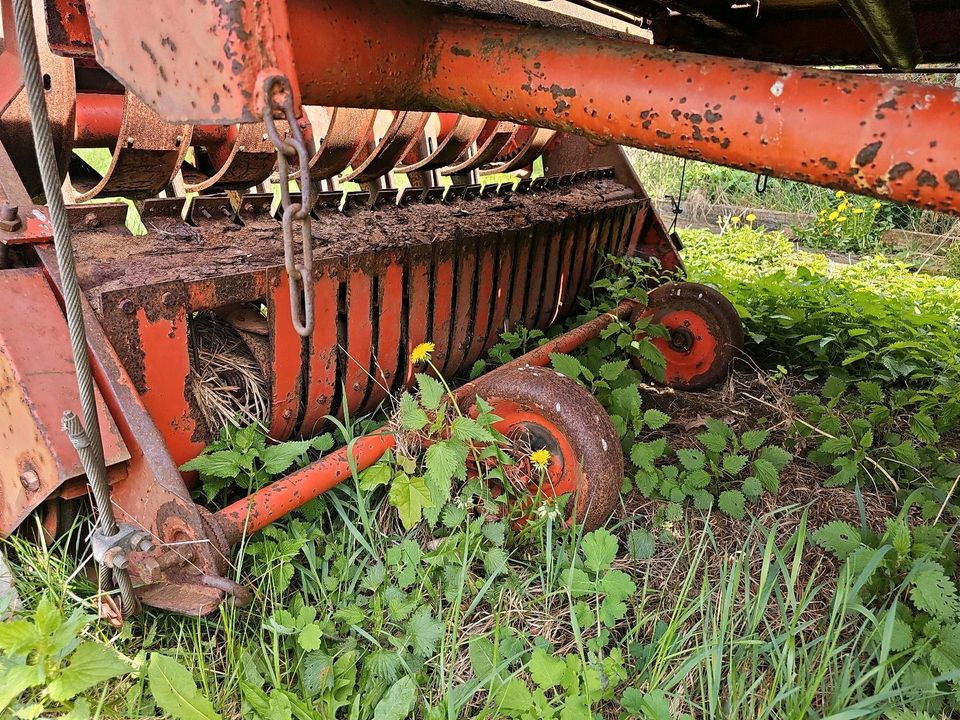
(204,107)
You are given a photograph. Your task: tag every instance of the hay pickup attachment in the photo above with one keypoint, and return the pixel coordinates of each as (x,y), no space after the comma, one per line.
(230,301)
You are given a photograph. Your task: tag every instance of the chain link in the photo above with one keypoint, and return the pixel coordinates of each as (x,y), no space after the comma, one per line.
(278,99)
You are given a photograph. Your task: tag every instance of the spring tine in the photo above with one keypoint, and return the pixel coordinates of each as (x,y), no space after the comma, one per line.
(503,132)
(343,133)
(399,138)
(389,334)
(322,382)
(452,146)
(530,151)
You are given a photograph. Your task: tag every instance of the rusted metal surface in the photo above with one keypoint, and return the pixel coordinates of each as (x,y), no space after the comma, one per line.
(242,158)
(868,135)
(147,154)
(37,385)
(890,27)
(15,133)
(68,30)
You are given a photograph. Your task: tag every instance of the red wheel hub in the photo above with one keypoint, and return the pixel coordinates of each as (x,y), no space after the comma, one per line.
(691,348)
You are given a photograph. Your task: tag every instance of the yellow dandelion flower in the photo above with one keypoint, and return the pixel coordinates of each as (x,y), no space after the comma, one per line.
(833,216)
(421,353)
(540,458)
(735,219)
(858,211)
(876,205)
(751,217)
(843,206)
(840,193)
(842,218)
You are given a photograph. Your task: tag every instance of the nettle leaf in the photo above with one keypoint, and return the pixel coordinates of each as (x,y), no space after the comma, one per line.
(467,429)
(655,419)
(838,537)
(610,371)
(733,503)
(277,458)
(599,549)
(934,593)
(921,425)
(870,391)
(776,456)
(752,488)
(446,459)
(753,439)
(641,544)
(734,464)
(375,476)
(175,692)
(836,445)
(409,495)
(702,500)
(411,415)
(644,455)
(91,663)
(768,475)
(495,532)
(566,364)
(423,632)
(495,560)
(431,391)
(224,464)
(546,670)
(692,459)
(834,387)
(322,443)
(714,442)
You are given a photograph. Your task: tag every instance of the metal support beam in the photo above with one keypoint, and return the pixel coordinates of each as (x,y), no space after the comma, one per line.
(890,27)
(873,136)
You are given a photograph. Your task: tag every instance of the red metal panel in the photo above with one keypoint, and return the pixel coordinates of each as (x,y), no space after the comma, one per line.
(359,345)
(390,326)
(322,372)
(463,312)
(38,383)
(442,306)
(519,242)
(418,293)
(501,293)
(286,363)
(551,277)
(486,289)
(538,264)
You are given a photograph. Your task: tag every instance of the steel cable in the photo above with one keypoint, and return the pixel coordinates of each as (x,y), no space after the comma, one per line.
(92,456)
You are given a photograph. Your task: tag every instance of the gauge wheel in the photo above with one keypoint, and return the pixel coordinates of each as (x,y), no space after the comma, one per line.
(705,333)
(540,409)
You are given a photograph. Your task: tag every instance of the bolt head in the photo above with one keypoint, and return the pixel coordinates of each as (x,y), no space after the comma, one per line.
(8,211)
(168,299)
(127,306)
(30,480)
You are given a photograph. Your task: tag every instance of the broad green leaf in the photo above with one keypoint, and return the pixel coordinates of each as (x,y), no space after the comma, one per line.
(17,679)
(409,495)
(566,364)
(692,459)
(310,637)
(547,671)
(278,458)
(753,439)
(655,419)
(397,702)
(732,503)
(431,391)
(599,549)
(644,455)
(375,476)
(222,464)
(610,371)
(175,692)
(91,663)
(411,415)
(423,632)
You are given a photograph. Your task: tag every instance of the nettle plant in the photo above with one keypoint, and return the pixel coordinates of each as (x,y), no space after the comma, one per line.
(727,469)
(868,434)
(909,571)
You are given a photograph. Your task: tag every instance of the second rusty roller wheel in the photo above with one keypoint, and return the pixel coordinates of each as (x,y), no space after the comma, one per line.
(544,410)
(705,333)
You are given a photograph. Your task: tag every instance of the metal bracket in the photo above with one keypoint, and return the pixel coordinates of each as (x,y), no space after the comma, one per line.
(111,550)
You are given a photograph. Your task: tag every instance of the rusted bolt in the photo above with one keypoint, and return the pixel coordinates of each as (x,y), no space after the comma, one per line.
(287,414)
(168,299)
(30,481)
(9,217)
(127,306)
(356,386)
(130,141)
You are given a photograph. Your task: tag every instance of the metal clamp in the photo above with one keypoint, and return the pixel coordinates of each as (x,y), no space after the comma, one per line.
(111,550)
(278,98)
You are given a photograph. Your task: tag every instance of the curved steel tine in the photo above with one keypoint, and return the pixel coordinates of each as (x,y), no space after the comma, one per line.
(503,132)
(341,134)
(242,160)
(525,156)
(397,141)
(463,133)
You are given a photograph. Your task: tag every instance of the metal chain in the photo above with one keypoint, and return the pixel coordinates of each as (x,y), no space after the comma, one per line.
(278,100)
